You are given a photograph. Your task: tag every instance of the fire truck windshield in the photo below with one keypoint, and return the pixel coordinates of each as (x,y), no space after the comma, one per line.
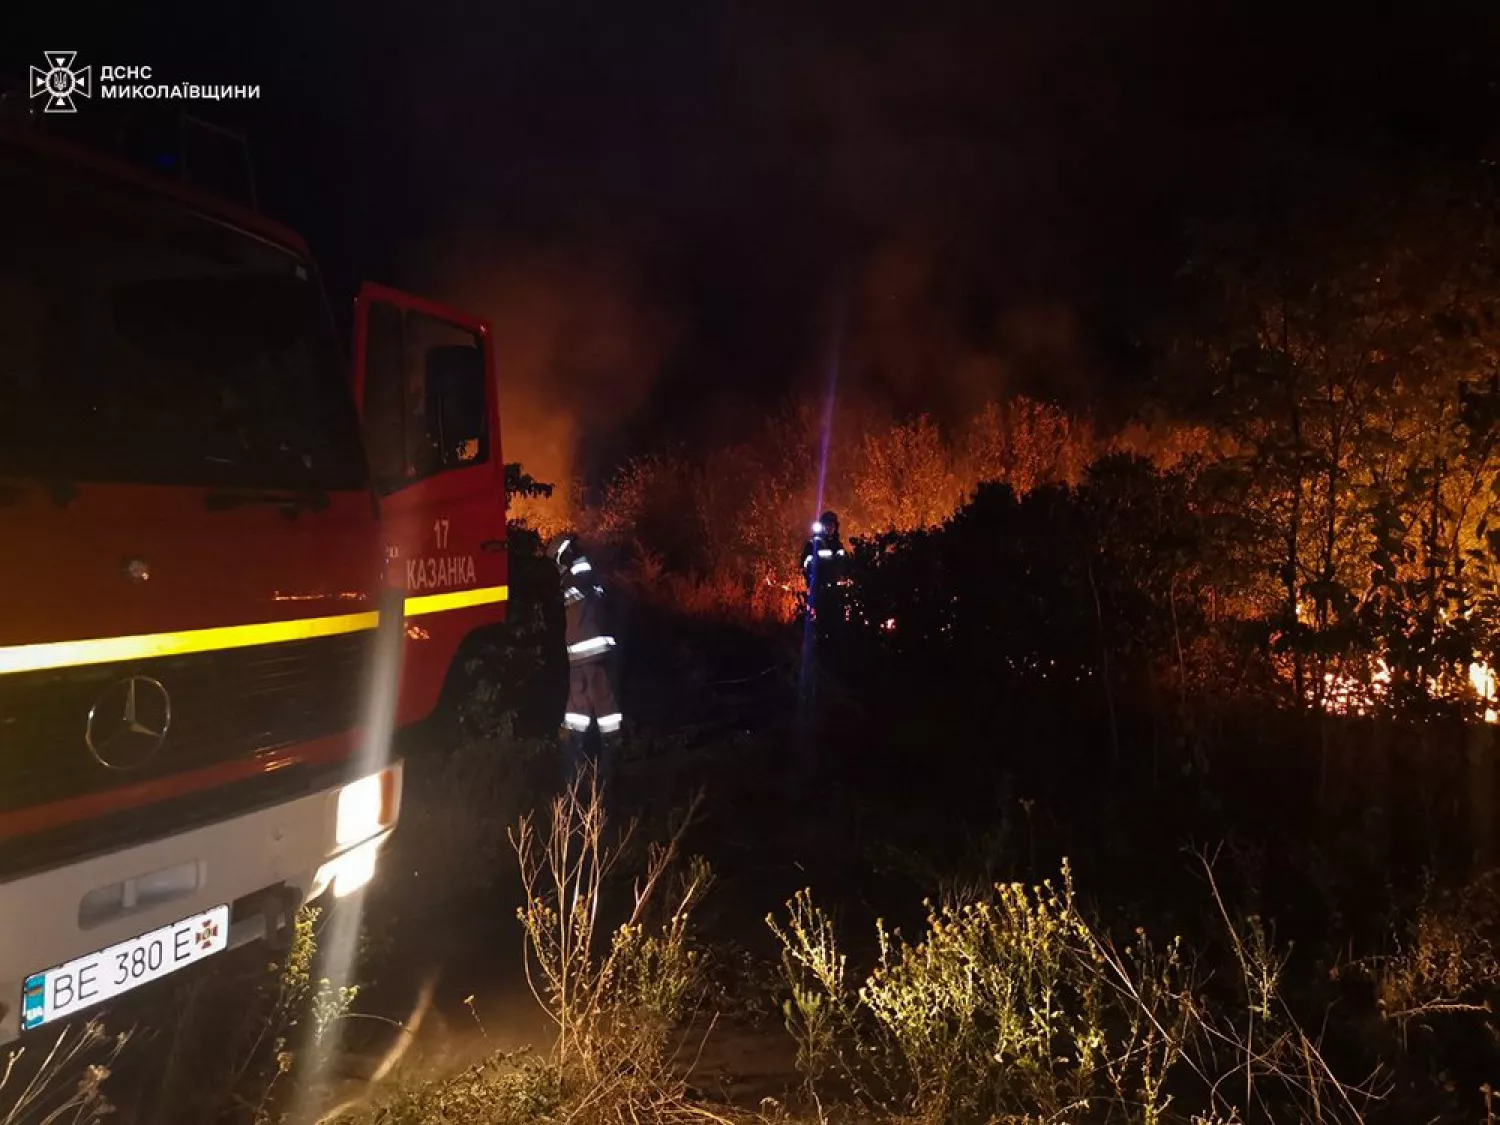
(141,342)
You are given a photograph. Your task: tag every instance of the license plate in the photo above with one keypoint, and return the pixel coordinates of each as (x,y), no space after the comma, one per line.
(86,981)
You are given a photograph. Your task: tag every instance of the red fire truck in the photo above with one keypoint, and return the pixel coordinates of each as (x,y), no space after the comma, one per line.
(229,567)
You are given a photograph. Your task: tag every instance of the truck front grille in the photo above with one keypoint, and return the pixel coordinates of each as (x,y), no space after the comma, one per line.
(225,706)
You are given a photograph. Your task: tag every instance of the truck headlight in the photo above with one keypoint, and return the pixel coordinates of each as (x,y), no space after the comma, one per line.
(366,807)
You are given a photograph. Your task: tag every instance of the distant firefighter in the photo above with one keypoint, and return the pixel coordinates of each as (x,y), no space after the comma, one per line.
(825,566)
(591,693)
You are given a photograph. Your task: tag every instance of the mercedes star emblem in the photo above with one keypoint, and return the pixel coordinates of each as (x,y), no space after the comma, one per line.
(128,723)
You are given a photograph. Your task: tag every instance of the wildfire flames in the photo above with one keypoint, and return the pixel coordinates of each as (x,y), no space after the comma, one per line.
(1482,679)
(749,503)
(720,533)
(1345,694)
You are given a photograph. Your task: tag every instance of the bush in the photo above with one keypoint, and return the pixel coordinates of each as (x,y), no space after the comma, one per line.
(1016,1008)
(1445,958)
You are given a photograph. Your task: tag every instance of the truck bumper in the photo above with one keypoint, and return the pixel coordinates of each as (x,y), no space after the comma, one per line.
(263,864)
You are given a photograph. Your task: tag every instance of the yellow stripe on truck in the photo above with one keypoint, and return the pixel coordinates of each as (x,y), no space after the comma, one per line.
(108,650)
(458,599)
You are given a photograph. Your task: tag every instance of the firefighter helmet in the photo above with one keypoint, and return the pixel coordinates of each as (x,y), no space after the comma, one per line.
(562,549)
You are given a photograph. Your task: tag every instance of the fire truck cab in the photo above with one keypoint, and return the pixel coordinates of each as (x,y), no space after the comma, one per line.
(230,567)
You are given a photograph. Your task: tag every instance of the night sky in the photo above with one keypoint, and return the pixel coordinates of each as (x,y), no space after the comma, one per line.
(666,208)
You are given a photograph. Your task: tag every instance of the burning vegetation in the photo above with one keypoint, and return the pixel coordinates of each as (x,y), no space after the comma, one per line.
(1304,501)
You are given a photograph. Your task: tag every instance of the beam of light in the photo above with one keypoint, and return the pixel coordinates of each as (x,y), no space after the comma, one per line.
(338,944)
(825,441)
(338,948)
(829,400)
(409,1029)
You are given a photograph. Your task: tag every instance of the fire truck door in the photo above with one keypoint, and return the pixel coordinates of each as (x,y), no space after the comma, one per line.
(424,380)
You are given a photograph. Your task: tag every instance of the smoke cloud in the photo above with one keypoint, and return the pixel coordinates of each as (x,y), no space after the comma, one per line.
(586,341)
(917,343)
(579,341)
(971,189)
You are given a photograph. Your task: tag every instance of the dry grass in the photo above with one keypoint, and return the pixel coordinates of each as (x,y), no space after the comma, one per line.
(617,994)
(1015,1007)
(1444,960)
(61,1083)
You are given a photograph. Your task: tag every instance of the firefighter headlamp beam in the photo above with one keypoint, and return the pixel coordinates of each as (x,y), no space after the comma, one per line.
(817,528)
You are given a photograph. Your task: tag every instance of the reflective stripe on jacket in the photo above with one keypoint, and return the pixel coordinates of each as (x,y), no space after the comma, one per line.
(823,554)
(587,636)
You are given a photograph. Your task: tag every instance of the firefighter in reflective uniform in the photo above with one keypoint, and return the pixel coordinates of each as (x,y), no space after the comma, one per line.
(825,567)
(591,695)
